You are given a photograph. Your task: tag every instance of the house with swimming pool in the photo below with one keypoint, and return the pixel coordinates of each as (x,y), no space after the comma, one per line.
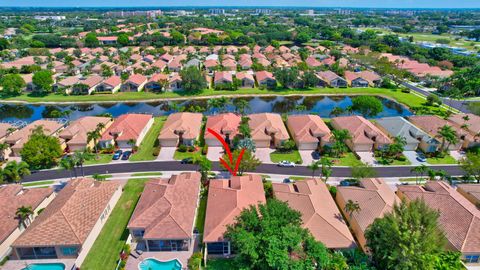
(164,217)
(226,199)
(69,225)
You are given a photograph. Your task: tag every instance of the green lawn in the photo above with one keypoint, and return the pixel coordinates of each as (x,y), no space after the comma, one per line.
(445,160)
(293,156)
(202,208)
(38,183)
(297,178)
(102,159)
(181,155)
(220,264)
(105,251)
(145,151)
(349,159)
(147,174)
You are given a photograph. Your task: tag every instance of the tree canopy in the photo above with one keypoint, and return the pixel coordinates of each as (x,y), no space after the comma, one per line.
(41,151)
(193,79)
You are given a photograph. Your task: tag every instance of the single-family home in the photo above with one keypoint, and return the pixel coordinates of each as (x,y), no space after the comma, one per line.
(312,62)
(320,214)
(13,197)
(365,136)
(468,121)
(85,86)
(354,79)
(246,79)
(267,130)
(266,79)
(135,83)
(225,124)
(69,225)
(414,137)
(75,134)
(164,216)
(309,131)
(471,192)
(374,198)
(229,64)
(222,77)
(17,139)
(156,83)
(5,130)
(332,79)
(109,85)
(181,128)
(226,199)
(175,82)
(127,130)
(66,84)
(459,218)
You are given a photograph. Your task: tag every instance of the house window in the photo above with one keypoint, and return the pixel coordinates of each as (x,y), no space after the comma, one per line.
(472,258)
(138,233)
(69,251)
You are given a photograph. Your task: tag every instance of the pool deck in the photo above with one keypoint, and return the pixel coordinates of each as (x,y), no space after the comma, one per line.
(181,256)
(20,264)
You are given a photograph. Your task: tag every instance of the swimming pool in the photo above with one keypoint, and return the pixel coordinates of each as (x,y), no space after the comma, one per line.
(45,266)
(153,264)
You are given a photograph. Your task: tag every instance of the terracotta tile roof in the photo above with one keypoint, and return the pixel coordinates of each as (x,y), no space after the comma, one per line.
(361,130)
(473,123)
(223,123)
(459,218)
(245,76)
(307,128)
(312,62)
(71,216)
(264,75)
(128,125)
(374,197)
(91,80)
(189,124)
(432,123)
(166,209)
(137,79)
(76,131)
(20,137)
(226,199)
(113,81)
(69,81)
(158,77)
(471,189)
(4,127)
(262,125)
(328,76)
(223,77)
(210,63)
(11,198)
(319,212)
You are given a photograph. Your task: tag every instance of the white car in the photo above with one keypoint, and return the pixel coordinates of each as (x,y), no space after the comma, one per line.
(285,163)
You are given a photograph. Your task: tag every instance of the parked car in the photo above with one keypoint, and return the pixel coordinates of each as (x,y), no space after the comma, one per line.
(288,181)
(117,155)
(187,161)
(422,158)
(285,163)
(316,155)
(126,155)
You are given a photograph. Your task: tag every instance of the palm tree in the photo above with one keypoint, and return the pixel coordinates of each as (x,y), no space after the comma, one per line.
(326,168)
(242,105)
(132,143)
(14,171)
(3,147)
(68,164)
(314,166)
(339,146)
(419,171)
(80,158)
(94,135)
(352,207)
(23,214)
(204,166)
(448,136)
(337,111)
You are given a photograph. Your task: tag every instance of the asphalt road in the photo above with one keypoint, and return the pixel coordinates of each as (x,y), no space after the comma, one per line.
(132,167)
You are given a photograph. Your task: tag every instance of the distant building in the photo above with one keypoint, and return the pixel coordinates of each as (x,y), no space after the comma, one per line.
(49,17)
(217,11)
(263,11)
(310,12)
(147,13)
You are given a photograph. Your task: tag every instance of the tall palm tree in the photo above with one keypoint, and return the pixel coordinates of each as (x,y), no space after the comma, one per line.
(326,168)
(94,135)
(420,171)
(448,136)
(242,105)
(340,137)
(3,147)
(80,158)
(314,166)
(132,143)
(23,214)
(352,207)
(68,164)
(14,171)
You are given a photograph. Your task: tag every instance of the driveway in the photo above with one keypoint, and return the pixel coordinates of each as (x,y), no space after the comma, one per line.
(457,155)
(214,153)
(263,154)
(306,156)
(412,157)
(166,153)
(367,158)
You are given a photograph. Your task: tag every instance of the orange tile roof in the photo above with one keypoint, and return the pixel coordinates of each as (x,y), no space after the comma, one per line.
(432,123)
(473,122)
(320,214)
(4,127)
(264,124)
(129,125)
(166,209)
(223,123)
(361,130)
(307,128)
(71,216)
(76,131)
(189,124)
(471,189)
(20,137)
(226,199)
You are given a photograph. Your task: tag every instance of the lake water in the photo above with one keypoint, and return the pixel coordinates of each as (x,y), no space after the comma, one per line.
(321,105)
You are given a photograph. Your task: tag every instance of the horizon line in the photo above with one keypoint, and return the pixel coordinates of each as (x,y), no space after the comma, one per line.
(241,6)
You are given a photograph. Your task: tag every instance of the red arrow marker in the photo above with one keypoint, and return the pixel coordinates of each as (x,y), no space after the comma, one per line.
(229,153)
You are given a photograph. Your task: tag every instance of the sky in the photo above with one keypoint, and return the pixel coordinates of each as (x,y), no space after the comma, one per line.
(305,3)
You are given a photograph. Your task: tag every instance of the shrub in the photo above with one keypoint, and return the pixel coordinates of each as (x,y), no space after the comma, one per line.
(191,148)
(402,158)
(205,149)
(182,148)
(405,90)
(333,190)
(156,151)
(195,262)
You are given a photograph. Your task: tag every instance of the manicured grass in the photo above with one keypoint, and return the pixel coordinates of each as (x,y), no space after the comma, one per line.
(445,160)
(102,159)
(398,162)
(181,155)
(105,251)
(293,156)
(220,264)
(349,159)
(297,178)
(147,174)
(145,151)
(202,208)
(38,183)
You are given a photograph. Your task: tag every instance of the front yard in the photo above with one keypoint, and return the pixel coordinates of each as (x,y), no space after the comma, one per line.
(150,142)
(102,159)
(293,156)
(348,159)
(447,159)
(106,249)
(182,155)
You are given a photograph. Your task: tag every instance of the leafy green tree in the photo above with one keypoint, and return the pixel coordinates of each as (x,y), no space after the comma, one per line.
(368,106)
(314,166)
(242,105)
(12,84)
(471,165)
(248,163)
(433,99)
(41,151)
(204,166)
(14,171)
(407,238)
(309,79)
(220,103)
(193,79)
(271,237)
(4,44)
(363,171)
(68,164)
(339,147)
(91,40)
(123,39)
(43,81)
(302,37)
(287,77)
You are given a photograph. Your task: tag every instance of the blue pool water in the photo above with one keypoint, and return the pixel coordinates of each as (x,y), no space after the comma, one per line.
(152,264)
(45,266)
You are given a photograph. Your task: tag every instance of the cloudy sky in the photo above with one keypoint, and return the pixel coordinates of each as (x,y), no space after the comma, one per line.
(312,3)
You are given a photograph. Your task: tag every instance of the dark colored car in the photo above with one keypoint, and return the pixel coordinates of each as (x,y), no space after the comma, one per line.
(117,155)
(187,161)
(126,155)
(316,155)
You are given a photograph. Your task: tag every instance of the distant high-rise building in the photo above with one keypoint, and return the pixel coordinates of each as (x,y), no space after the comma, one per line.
(147,13)
(263,11)
(49,17)
(310,12)
(217,11)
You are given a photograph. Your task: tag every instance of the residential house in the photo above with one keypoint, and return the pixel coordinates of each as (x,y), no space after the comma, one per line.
(126,129)
(469,121)
(225,124)
(374,198)
(111,40)
(312,62)
(267,130)
(110,85)
(332,79)
(85,86)
(27,78)
(471,192)
(459,218)
(266,79)
(156,83)
(17,139)
(309,131)
(164,217)
(5,130)
(13,197)
(354,79)
(75,134)
(222,78)
(69,225)
(66,84)
(135,83)
(181,128)
(366,136)
(398,126)
(229,64)
(226,199)
(246,79)
(320,214)
(175,82)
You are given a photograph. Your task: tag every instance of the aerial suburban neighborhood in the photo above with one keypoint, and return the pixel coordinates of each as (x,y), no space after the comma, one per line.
(337,136)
